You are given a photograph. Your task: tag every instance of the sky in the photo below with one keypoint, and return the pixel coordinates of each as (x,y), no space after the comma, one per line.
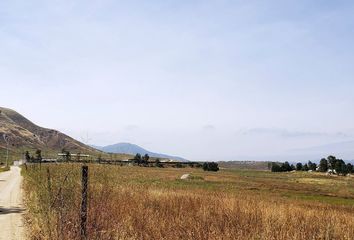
(205,80)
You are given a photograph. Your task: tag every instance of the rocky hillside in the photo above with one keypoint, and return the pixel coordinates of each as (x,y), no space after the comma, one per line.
(22,133)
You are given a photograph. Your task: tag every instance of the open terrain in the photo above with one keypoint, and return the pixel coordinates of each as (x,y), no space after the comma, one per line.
(151,203)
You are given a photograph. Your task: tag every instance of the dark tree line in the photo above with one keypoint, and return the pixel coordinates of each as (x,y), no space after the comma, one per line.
(138,159)
(331,164)
(337,166)
(282,167)
(36,158)
(144,161)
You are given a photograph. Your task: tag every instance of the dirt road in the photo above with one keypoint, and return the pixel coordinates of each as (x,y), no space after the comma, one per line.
(11,209)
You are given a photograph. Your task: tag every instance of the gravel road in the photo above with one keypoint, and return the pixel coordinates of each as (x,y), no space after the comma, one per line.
(11,208)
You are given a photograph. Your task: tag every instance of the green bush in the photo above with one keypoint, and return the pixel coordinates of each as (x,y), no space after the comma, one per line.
(211,166)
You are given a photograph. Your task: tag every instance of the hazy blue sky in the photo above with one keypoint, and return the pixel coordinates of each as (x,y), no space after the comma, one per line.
(207,80)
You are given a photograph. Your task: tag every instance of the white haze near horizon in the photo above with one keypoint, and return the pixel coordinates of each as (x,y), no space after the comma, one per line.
(205,80)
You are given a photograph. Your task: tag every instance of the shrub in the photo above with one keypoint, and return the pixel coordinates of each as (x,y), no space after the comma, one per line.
(210,166)
(178,165)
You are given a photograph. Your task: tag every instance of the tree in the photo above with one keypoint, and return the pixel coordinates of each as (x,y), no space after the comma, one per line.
(305,167)
(350,168)
(158,163)
(312,166)
(323,167)
(99,159)
(340,167)
(286,167)
(344,169)
(293,168)
(275,167)
(146,158)
(137,158)
(39,155)
(299,166)
(27,156)
(211,166)
(67,156)
(331,162)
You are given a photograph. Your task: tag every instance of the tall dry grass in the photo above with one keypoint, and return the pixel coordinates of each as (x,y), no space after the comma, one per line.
(125,207)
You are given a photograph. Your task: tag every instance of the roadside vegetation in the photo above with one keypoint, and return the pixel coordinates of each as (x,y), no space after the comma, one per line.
(132,202)
(4,168)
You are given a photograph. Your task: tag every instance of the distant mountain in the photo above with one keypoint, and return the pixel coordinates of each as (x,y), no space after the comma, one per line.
(128,148)
(21,133)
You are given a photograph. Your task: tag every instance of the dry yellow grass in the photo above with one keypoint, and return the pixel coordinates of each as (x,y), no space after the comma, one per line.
(147,203)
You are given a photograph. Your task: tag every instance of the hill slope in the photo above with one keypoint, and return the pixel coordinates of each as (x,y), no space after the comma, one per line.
(22,133)
(133,149)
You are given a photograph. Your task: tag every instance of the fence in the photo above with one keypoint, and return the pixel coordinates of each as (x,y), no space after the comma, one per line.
(58,203)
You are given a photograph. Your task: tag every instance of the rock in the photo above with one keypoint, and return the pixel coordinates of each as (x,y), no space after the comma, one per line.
(185,176)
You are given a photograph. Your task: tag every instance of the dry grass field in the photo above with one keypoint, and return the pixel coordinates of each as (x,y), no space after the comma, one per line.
(150,203)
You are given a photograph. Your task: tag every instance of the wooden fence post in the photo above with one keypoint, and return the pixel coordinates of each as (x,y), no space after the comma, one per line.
(84,203)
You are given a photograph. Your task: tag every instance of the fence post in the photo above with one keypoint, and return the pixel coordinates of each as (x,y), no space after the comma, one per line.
(84,203)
